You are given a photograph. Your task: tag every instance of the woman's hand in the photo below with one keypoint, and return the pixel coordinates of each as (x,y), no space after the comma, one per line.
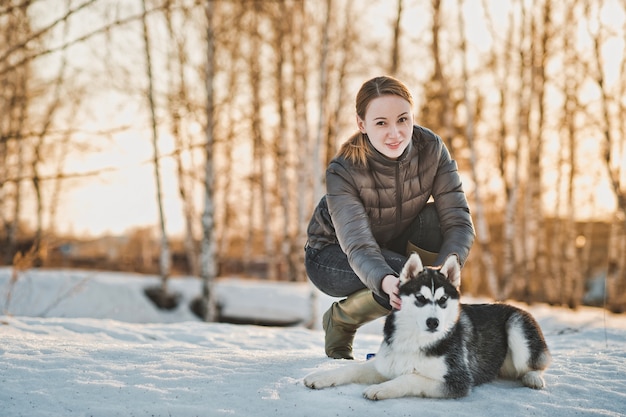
(390,286)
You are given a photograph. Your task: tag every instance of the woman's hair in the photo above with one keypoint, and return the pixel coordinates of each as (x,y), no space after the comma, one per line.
(355,149)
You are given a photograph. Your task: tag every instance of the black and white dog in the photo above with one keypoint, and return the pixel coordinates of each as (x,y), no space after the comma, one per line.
(437,347)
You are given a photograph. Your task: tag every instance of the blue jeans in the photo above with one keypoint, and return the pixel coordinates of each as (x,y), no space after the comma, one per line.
(329,270)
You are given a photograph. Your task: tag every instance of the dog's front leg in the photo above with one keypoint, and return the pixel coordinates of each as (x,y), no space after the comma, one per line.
(354,373)
(408,385)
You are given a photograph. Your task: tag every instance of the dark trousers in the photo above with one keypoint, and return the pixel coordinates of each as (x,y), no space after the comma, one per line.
(329,270)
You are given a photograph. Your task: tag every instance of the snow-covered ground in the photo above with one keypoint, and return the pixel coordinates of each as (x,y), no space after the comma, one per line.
(82,343)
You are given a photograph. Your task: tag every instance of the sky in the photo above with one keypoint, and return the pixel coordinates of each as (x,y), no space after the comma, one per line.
(85,343)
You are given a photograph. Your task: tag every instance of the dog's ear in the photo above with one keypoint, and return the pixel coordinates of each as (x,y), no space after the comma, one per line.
(412,267)
(451,269)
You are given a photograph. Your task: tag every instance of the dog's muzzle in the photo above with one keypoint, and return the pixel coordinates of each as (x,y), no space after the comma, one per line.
(432,323)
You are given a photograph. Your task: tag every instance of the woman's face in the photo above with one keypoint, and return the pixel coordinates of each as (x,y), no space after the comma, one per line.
(388,124)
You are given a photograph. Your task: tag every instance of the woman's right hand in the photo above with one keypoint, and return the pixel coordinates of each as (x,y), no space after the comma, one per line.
(390,286)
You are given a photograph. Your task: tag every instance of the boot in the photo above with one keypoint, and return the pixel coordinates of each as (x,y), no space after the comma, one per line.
(344,317)
(428,258)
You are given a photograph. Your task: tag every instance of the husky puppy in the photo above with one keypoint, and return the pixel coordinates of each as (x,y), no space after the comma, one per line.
(437,347)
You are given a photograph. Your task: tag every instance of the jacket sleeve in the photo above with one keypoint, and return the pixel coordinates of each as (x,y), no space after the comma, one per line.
(352,227)
(454,215)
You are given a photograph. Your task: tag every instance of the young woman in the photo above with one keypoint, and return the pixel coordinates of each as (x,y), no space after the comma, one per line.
(376,211)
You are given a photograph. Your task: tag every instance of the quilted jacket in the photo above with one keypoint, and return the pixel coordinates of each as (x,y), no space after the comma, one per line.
(366,207)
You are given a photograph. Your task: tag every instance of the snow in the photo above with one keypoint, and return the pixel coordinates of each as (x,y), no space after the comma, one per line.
(81,343)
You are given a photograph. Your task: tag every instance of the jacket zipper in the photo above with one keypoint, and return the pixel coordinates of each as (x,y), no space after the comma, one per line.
(398,197)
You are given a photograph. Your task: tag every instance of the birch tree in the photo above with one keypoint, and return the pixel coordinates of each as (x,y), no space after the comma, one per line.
(395,43)
(613,151)
(544,53)
(208,266)
(260,183)
(300,86)
(14,103)
(343,54)
(482,228)
(507,144)
(179,105)
(570,268)
(439,108)
(231,212)
(318,148)
(283,26)
(163,300)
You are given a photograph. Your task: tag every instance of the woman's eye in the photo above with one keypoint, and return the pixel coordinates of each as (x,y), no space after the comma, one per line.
(403,119)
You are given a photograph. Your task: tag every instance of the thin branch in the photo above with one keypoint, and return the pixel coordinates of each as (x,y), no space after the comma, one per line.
(41,32)
(103,29)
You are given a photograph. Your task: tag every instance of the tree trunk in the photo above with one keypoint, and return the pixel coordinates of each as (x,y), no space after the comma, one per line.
(164,260)
(305,201)
(482,228)
(613,164)
(176,63)
(536,149)
(526,238)
(208,269)
(318,166)
(259,177)
(572,264)
(283,165)
(508,156)
(346,51)
(395,43)
(442,94)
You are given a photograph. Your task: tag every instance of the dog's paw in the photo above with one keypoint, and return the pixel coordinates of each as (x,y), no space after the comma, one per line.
(380,392)
(320,379)
(534,380)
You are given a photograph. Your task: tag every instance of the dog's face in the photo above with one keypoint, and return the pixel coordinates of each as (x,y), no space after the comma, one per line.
(430,297)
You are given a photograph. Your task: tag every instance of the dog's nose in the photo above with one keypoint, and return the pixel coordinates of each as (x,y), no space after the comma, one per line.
(432,323)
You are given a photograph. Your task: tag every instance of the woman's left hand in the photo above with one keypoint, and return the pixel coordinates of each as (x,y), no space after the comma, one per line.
(390,286)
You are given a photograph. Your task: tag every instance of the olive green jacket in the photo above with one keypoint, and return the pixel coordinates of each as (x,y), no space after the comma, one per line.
(367,207)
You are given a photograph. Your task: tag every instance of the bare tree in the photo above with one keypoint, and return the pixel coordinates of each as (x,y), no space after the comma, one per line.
(543,53)
(570,269)
(395,44)
(346,54)
(318,149)
(15,94)
(259,179)
(439,107)
(164,300)
(178,105)
(7,60)
(208,265)
(612,146)
(231,213)
(33,114)
(40,244)
(282,26)
(299,85)
(482,228)
(508,156)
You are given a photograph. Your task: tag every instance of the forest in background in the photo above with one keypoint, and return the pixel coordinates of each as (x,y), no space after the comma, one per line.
(247,101)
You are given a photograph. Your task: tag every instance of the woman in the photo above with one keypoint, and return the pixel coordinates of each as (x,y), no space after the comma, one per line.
(375,212)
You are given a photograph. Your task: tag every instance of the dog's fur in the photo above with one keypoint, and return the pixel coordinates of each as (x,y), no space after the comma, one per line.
(434,346)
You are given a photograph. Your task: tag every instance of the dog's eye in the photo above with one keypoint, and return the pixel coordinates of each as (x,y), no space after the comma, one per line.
(443,301)
(420,300)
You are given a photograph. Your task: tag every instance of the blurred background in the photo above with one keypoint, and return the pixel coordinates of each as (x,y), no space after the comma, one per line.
(162,136)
